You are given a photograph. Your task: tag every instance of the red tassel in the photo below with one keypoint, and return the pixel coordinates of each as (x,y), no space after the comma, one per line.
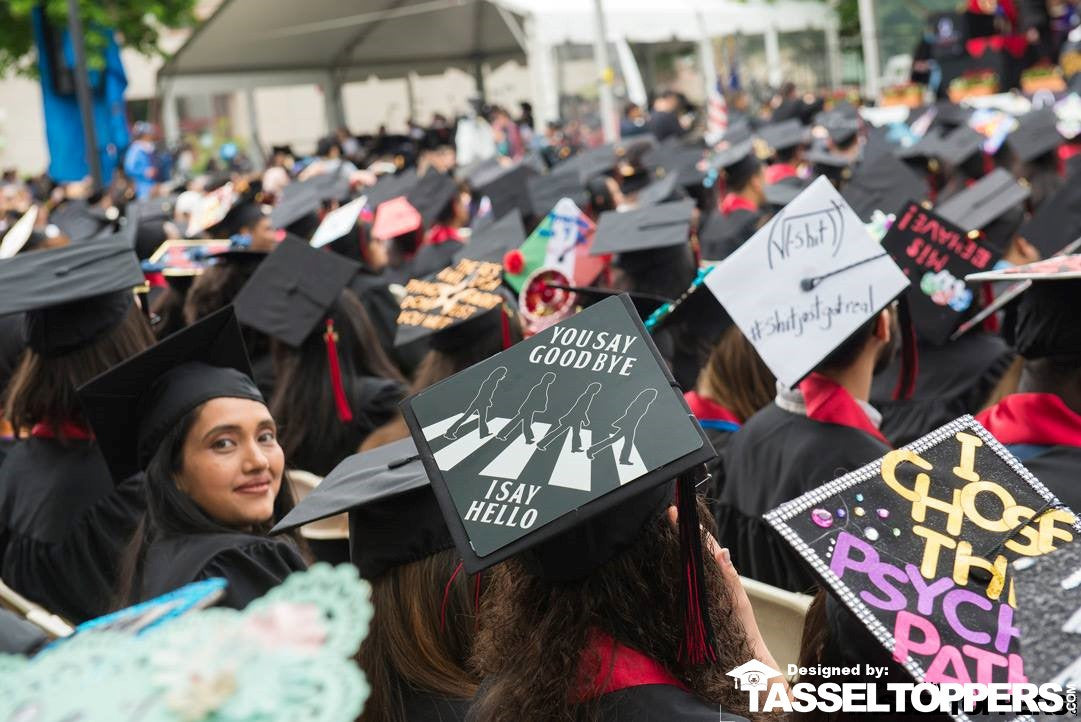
(446,595)
(345,414)
(698,645)
(910,354)
(505,323)
(990,324)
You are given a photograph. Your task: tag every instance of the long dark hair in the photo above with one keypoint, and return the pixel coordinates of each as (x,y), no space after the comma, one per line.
(533,632)
(43,389)
(421,641)
(171,512)
(736,377)
(310,431)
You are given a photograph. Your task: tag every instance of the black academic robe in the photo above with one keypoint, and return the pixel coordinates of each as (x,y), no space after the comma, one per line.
(423,707)
(18,636)
(374,402)
(775,457)
(251,565)
(64,525)
(1059,468)
(657,702)
(722,233)
(953,380)
(372,290)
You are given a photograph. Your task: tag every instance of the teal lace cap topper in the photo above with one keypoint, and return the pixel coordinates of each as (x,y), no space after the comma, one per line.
(287,657)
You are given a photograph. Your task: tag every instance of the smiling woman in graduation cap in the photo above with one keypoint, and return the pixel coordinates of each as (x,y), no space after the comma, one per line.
(187,412)
(65,518)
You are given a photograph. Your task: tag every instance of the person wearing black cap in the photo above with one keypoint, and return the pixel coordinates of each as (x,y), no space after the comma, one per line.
(64,518)
(664,117)
(786,141)
(586,545)
(1033,153)
(1041,423)
(187,412)
(416,659)
(739,214)
(335,385)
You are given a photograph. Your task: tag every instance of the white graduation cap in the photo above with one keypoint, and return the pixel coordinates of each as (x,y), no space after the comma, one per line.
(19,234)
(806,281)
(338,222)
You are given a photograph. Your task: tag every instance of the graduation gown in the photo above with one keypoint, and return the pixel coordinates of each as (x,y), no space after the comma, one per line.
(775,457)
(1045,434)
(422,707)
(373,292)
(64,525)
(655,702)
(252,565)
(953,380)
(727,229)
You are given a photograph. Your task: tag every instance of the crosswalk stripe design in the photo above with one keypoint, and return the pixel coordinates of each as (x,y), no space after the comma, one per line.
(636,467)
(511,461)
(450,456)
(573,470)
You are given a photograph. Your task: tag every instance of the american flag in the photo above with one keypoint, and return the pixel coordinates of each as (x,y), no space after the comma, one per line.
(716,114)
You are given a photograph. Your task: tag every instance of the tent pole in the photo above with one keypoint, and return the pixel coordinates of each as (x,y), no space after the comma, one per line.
(82,91)
(773,57)
(605,74)
(332,103)
(871,67)
(170,114)
(478,76)
(833,54)
(253,126)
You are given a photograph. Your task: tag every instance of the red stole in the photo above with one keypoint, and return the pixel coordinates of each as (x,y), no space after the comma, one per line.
(829,402)
(779,171)
(441,234)
(607,666)
(1040,419)
(732,203)
(708,410)
(67,429)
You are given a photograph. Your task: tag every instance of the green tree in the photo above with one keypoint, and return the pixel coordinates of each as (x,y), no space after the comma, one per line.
(138,24)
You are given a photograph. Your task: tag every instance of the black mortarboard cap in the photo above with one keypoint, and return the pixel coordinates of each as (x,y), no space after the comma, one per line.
(431,195)
(546,190)
(133,405)
(700,310)
(78,220)
(644,229)
(394,518)
(566,510)
(781,194)
(72,295)
(958,145)
(675,156)
(446,302)
(983,202)
(1036,134)
(784,135)
(1057,221)
(297,200)
(391,186)
(926,147)
(644,303)
(492,242)
(732,158)
(292,290)
(659,191)
(949,115)
(882,183)
(508,190)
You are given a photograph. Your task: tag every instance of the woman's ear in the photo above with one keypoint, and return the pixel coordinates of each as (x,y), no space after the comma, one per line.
(884,327)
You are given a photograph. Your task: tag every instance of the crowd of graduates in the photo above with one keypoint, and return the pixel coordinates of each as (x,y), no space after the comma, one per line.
(198,376)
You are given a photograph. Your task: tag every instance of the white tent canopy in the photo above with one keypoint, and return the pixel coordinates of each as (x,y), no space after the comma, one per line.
(255,43)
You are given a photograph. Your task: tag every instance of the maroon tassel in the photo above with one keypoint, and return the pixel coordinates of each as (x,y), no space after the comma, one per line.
(345,414)
(446,596)
(910,354)
(698,646)
(505,323)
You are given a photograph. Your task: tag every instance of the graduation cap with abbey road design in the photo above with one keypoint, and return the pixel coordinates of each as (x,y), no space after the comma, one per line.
(394,518)
(578,427)
(806,281)
(936,256)
(949,511)
(882,184)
